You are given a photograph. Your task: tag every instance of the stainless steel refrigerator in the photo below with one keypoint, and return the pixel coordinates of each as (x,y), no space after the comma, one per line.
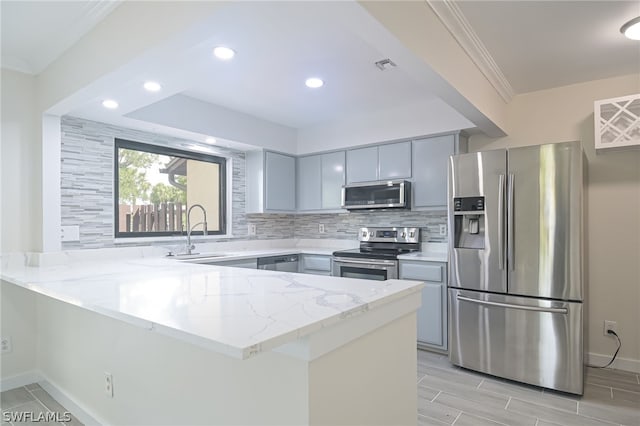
(515,264)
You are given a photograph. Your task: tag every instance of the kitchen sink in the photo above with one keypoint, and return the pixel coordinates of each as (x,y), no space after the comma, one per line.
(197,256)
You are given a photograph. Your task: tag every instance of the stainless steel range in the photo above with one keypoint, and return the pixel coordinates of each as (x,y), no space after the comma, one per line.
(377,257)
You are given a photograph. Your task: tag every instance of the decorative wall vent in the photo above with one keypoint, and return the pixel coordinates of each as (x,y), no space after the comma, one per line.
(617,122)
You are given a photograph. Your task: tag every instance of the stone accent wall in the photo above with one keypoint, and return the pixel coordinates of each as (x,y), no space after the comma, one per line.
(87,179)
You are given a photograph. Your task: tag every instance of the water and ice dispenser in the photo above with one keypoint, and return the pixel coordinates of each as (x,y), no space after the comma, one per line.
(468,222)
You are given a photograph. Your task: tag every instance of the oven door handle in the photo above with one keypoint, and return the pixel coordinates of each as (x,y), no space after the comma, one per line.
(365,262)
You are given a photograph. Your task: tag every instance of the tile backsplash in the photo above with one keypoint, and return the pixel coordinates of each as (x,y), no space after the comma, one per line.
(87,151)
(346,225)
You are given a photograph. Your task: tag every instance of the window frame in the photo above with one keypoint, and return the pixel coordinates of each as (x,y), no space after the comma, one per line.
(164,150)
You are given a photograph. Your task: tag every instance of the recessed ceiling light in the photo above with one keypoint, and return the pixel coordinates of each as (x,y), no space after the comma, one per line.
(152,86)
(632,29)
(110,103)
(314,83)
(210,140)
(223,53)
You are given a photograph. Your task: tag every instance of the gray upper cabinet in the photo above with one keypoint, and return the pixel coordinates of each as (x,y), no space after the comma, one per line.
(389,161)
(320,180)
(362,164)
(430,162)
(332,179)
(280,182)
(309,182)
(271,182)
(394,161)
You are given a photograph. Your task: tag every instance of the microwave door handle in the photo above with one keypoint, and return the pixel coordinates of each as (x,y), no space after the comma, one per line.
(401,186)
(344,200)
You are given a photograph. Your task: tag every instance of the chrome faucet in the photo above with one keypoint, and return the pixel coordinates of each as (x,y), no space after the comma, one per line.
(190,228)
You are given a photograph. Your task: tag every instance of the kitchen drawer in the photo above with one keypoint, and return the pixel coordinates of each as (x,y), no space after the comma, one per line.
(422,271)
(316,263)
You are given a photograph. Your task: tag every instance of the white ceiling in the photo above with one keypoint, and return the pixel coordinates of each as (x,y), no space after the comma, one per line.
(287,43)
(544,44)
(35,33)
(536,45)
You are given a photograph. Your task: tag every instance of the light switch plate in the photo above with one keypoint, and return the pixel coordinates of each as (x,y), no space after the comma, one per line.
(70,233)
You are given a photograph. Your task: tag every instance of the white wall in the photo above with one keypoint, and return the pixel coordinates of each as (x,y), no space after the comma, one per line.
(21,164)
(612,256)
(193,115)
(18,321)
(423,118)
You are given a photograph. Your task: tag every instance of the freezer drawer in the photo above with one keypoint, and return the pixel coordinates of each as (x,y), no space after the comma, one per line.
(533,341)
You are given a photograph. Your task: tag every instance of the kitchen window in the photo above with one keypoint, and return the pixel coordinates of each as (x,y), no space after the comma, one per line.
(155,185)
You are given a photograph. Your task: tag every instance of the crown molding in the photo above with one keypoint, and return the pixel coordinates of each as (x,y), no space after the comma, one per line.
(454,20)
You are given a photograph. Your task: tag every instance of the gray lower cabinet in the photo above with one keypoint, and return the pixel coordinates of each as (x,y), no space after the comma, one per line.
(388,161)
(315,264)
(430,163)
(271,182)
(432,315)
(320,180)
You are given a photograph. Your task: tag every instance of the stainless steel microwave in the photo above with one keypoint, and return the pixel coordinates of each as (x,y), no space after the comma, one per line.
(389,194)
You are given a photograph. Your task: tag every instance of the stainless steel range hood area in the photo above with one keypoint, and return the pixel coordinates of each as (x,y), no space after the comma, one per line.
(388,194)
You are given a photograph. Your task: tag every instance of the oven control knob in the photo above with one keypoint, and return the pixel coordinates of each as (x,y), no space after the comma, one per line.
(404,235)
(364,234)
(411,234)
(371,234)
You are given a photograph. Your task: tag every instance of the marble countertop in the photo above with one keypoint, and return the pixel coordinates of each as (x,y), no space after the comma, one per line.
(425,256)
(238,312)
(431,252)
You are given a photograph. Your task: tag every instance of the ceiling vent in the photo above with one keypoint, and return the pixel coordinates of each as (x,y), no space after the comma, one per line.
(385,64)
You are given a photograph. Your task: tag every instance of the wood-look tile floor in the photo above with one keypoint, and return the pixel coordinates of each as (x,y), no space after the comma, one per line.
(449,395)
(35,400)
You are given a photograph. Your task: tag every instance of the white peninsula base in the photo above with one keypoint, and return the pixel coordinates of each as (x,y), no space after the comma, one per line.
(360,371)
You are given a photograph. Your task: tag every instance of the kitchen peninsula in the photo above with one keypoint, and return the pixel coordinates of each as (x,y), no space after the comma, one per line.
(199,344)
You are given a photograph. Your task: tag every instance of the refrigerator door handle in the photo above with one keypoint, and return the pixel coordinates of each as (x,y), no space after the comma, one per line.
(501,253)
(512,306)
(510,225)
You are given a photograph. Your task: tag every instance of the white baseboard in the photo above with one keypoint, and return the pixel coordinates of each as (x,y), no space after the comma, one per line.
(80,412)
(20,380)
(626,364)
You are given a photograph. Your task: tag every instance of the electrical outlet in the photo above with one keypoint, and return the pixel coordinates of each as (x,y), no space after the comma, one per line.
(252,229)
(443,230)
(108,384)
(321,228)
(70,233)
(5,344)
(610,325)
